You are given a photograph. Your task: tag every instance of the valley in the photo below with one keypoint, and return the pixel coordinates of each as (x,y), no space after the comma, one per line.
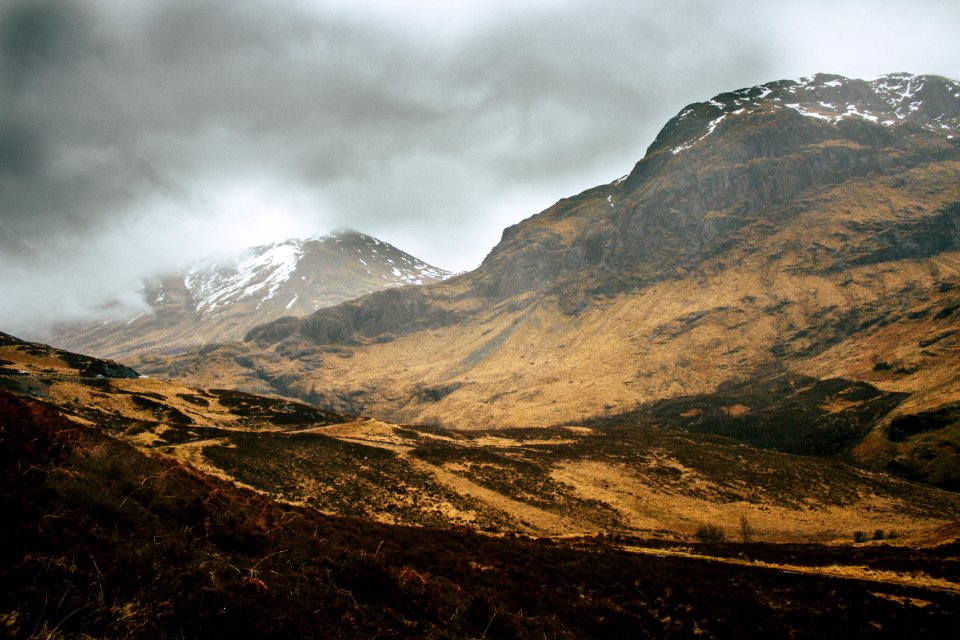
(148,509)
(786,236)
(662,471)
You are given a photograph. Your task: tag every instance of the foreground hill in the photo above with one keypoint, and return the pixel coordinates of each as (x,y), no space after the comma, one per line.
(216,300)
(809,226)
(664,471)
(102,540)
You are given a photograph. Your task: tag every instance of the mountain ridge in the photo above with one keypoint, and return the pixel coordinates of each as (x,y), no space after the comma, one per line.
(776,239)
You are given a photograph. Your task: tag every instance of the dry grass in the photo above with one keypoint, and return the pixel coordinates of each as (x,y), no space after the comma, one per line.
(633,478)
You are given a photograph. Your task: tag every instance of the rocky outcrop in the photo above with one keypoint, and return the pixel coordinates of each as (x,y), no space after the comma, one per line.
(379,315)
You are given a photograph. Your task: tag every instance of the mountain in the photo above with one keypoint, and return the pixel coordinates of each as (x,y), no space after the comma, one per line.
(802,227)
(713,346)
(214,300)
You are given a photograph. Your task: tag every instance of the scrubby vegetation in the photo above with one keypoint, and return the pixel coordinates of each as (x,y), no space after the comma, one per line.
(255,409)
(710,534)
(105,542)
(782,412)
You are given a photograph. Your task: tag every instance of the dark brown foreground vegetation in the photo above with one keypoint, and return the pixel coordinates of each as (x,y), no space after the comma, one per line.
(104,541)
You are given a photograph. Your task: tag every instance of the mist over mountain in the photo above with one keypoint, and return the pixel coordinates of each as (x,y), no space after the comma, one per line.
(737,364)
(215,300)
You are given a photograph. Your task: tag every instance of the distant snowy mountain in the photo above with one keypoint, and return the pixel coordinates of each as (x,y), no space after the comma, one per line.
(217,301)
(302,276)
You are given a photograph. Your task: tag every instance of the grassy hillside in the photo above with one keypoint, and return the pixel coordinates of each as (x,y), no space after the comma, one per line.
(103,541)
(662,470)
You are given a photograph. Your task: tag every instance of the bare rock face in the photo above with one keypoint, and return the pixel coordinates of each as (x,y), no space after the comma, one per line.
(378,315)
(721,165)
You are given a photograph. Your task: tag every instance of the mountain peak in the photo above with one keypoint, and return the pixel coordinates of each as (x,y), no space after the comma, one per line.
(219,300)
(927,101)
(795,231)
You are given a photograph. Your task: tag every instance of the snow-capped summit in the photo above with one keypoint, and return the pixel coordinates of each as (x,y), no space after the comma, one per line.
(219,300)
(929,102)
(302,275)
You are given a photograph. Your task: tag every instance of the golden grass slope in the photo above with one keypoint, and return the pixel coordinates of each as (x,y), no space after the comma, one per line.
(632,479)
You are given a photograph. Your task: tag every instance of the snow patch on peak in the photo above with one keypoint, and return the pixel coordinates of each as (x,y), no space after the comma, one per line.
(711,127)
(810,114)
(927,101)
(261,268)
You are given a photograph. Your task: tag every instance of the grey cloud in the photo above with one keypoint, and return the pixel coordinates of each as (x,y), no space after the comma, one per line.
(39,35)
(21,150)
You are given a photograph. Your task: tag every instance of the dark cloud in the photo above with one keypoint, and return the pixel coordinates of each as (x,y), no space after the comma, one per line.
(135,135)
(38,35)
(21,153)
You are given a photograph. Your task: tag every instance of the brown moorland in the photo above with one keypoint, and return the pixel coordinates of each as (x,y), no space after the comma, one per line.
(103,541)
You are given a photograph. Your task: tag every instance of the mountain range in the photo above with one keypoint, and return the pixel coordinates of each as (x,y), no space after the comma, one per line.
(808,227)
(752,335)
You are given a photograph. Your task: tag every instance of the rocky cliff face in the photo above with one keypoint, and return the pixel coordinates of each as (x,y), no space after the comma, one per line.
(809,226)
(739,160)
(720,165)
(214,301)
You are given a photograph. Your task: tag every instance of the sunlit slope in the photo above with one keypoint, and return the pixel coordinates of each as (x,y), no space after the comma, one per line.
(662,471)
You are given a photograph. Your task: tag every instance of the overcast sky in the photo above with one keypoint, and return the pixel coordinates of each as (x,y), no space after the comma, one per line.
(136,135)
